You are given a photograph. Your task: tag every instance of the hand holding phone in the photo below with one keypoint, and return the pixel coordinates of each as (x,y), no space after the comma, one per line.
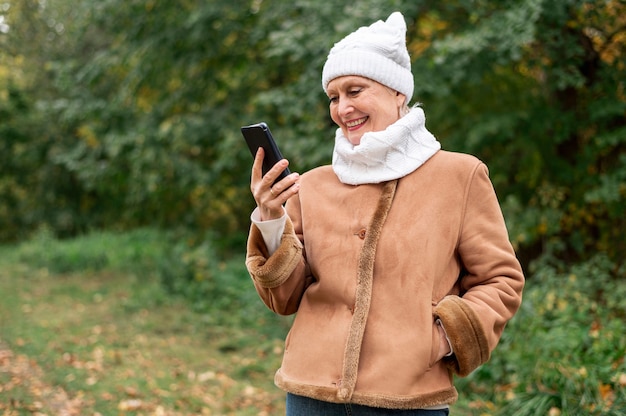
(259,135)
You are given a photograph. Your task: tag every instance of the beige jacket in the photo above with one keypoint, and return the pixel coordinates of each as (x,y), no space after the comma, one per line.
(369,269)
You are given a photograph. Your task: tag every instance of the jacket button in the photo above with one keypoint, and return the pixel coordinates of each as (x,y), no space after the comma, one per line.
(361,234)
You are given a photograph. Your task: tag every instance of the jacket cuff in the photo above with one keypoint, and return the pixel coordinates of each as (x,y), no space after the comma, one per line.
(272,271)
(466,335)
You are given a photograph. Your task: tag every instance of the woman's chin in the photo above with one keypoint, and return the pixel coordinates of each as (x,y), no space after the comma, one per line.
(354,138)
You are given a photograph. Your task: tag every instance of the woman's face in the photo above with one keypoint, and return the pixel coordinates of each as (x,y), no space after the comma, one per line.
(359,105)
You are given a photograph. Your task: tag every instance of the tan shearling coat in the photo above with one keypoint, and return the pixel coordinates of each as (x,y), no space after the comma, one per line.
(369,268)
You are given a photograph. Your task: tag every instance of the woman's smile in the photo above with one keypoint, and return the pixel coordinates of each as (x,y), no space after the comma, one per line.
(355,124)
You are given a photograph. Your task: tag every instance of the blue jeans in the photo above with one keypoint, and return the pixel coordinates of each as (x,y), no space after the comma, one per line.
(303,406)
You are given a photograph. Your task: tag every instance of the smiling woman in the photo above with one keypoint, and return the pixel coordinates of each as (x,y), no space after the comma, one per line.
(390,303)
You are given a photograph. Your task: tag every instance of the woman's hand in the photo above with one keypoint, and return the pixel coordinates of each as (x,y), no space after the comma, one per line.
(270,199)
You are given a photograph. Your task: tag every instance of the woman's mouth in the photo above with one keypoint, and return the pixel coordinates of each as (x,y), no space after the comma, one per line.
(355,124)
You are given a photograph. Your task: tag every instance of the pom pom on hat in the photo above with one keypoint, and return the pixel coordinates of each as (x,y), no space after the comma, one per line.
(377,52)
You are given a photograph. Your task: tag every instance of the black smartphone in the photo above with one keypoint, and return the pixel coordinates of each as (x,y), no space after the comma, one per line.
(259,135)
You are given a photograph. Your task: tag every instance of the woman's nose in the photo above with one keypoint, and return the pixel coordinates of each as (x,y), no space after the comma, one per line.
(345,107)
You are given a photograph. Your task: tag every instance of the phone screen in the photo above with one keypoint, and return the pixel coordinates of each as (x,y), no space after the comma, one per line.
(259,135)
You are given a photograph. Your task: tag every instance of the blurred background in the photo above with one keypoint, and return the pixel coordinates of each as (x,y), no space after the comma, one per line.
(121,118)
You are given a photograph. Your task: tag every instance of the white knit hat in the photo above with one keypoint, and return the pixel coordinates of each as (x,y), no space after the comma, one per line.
(377,52)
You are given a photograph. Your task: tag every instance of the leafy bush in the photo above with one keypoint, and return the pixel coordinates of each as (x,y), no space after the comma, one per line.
(563,354)
(122,114)
(218,287)
(136,250)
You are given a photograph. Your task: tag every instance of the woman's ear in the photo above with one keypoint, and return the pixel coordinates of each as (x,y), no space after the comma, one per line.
(400,99)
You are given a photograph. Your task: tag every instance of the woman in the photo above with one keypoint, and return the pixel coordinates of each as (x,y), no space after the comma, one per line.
(396,258)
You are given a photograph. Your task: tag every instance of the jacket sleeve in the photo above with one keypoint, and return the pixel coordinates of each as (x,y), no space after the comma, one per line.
(279,279)
(491,287)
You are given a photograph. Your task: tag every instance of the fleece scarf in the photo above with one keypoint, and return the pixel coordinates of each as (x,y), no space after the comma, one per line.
(385,155)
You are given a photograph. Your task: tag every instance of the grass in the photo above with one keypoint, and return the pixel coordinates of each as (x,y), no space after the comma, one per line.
(108,341)
(91,327)
(140,324)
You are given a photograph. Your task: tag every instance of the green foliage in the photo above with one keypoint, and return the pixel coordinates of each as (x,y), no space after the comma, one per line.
(13,158)
(122,114)
(137,250)
(535,88)
(211,283)
(215,286)
(565,348)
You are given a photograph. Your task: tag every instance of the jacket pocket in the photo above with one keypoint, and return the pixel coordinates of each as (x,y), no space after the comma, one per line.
(434,345)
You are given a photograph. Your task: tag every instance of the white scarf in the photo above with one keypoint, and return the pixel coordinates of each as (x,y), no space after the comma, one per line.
(385,155)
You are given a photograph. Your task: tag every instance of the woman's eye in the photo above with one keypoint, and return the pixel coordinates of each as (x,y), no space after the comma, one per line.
(355,91)
(333,100)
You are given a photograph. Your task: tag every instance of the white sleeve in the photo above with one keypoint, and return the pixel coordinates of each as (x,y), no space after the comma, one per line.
(271,230)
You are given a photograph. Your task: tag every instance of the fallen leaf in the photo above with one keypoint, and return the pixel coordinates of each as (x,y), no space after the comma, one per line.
(130,405)
(554,411)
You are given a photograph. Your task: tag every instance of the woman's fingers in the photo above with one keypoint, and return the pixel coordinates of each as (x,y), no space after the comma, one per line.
(270,198)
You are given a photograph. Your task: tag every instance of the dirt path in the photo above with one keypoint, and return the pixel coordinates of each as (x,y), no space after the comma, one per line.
(22,388)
